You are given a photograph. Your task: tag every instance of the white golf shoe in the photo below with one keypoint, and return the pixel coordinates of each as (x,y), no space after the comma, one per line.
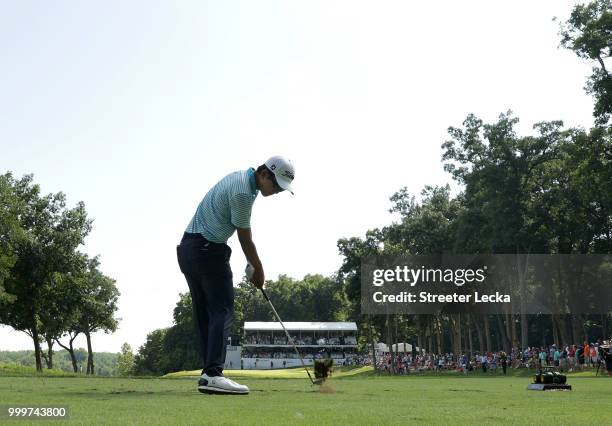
(220,384)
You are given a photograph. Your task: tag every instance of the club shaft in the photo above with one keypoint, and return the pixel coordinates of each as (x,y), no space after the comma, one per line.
(289,339)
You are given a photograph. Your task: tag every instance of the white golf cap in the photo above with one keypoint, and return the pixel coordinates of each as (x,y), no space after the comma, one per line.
(283,171)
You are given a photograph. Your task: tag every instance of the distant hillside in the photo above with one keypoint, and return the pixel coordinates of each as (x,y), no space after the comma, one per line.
(105,362)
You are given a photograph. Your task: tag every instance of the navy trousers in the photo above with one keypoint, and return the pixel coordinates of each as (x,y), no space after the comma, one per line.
(208,273)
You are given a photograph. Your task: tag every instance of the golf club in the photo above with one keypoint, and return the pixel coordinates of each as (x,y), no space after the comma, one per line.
(314,382)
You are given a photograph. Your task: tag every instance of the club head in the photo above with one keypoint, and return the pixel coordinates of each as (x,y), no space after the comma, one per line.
(318,381)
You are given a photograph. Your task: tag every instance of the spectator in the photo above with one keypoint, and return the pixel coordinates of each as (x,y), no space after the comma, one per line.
(556,357)
(580,357)
(483,363)
(542,358)
(504,360)
(563,359)
(571,357)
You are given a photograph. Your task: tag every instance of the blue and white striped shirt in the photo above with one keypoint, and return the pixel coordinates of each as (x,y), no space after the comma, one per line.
(225,207)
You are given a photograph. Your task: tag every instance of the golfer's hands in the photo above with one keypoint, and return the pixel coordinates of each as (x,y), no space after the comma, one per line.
(250,252)
(258,278)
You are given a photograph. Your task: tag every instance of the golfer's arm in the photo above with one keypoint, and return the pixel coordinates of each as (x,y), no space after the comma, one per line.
(248,247)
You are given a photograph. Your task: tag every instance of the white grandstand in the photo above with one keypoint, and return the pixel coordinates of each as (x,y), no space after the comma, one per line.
(265,344)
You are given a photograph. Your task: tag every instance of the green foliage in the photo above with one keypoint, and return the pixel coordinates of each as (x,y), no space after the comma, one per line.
(125,361)
(98,302)
(42,235)
(545,193)
(106,361)
(503,174)
(425,228)
(314,298)
(588,32)
(17,370)
(349,274)
(151,357)
(10,231)
(47,287)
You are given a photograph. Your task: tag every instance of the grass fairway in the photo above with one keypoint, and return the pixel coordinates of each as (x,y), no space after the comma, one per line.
(359,398)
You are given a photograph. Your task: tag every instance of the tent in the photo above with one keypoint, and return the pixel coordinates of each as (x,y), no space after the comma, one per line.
(402,347)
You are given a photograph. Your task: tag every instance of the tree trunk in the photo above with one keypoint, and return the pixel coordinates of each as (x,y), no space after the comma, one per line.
(522,275)
(70,350)
(480,336)
(49,353)
(43,355)
(430,342)
(456,332)
(469,332)
(515,342)
(73,358)
(487,331)
(387,341)
(500,344)
(502,332)
(90,361)
(561,324)
(36,346)
(422,341)
(524,331)
(555,332)
(439,333)
(393,341)
(573,328)
(371,336)
(396,337)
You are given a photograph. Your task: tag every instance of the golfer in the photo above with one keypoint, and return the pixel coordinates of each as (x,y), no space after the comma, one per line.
(204,255)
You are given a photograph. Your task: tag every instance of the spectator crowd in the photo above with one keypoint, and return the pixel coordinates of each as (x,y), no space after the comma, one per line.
(568,358)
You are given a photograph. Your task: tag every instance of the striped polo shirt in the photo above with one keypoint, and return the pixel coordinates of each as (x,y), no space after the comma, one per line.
(225,207)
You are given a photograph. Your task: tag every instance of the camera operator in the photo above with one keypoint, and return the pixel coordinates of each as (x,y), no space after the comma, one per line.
(605,356)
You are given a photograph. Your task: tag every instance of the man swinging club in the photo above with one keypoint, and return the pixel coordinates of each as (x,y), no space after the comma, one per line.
(203,257)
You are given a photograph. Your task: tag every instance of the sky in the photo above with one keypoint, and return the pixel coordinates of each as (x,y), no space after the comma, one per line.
(137,108)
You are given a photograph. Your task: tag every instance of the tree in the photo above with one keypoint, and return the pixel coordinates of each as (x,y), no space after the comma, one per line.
(61,312)
(10,231)
(150,357)
(504,176)
(73,291)
(425,228)
(98,307)
(588,32)
(51,234)
(125,361)
(181,344)
(314,298)
(349,275)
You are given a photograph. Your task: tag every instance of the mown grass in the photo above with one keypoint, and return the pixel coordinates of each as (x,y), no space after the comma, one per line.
(289,373)
(16,370)
(360,398)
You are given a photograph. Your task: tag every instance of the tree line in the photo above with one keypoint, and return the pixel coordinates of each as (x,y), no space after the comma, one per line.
(48,288)
(106,362)
(176,348)
(549,192)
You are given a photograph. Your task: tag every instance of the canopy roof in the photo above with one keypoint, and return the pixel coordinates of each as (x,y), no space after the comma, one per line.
(303,326)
